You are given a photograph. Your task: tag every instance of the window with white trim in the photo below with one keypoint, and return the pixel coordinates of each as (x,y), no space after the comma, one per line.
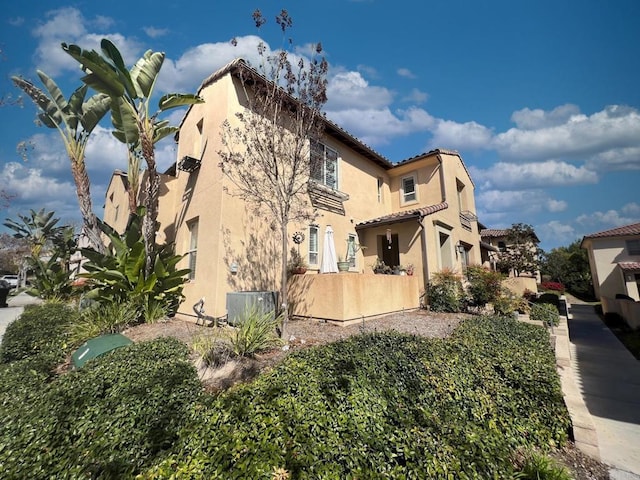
(324,165)
(380,186)
(313,245)
(633,247)
(409,193)
(193,247)
(351,250)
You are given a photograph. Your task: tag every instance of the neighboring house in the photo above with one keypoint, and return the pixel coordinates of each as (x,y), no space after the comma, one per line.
(417,212)
(614,258)
(493,243)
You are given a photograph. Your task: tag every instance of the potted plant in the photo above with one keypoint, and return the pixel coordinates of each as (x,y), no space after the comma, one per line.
(343,264)
(409,269)
(297,265)
(380,267)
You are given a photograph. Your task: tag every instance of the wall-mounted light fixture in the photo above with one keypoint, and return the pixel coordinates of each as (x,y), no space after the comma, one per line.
(233,268)
(389,238)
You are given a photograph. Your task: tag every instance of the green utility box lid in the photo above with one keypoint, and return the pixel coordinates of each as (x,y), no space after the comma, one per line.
(98,346)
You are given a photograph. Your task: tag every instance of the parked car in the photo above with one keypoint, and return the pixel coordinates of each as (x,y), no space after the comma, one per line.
(12,280)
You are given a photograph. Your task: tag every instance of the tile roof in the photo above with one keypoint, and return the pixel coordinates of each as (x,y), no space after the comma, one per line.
(633,229)
(629,266)
(403,216)
(488,232)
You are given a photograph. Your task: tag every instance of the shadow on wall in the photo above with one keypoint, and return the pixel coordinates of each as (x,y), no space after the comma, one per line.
(252,262)
(299,300)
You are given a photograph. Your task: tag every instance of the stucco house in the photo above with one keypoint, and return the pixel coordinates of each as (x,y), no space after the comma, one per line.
(614,259)
(493,243)
(419,211)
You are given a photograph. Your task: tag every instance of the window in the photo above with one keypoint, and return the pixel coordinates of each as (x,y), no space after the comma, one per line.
(198,143)
(351,250)
(324,165)
(633,247)
(462,206)
(313,245)
(409,189)
(502,246)
(380,185)
(193,247)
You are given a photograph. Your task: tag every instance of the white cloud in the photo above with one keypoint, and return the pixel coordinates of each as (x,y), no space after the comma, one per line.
(406,73)
(70,26)
(35,186)
(349,90)
(460,136)
(609,219)
(527,119)
(556,232)
(631,209)
(525,202)
(555,206)
(16,21)
(614,128)
(154,32)
(616,159)
(510,176)
(197,63)
(416,96)
(377,127)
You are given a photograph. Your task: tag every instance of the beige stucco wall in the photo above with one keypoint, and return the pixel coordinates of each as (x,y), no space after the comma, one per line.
(608,279)
(345,297)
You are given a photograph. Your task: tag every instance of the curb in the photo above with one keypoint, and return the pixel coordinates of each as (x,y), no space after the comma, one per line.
(584,432)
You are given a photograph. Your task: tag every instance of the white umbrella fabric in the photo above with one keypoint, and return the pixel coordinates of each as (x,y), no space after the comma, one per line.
(329,257)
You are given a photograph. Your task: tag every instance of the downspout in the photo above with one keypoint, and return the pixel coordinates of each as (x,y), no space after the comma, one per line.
(423,241)
(443,188)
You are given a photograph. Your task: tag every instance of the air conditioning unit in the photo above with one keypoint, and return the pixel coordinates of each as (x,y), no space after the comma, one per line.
(239,303)
(188,164)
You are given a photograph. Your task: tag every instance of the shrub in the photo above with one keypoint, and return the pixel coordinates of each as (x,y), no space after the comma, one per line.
(545,313)
(39,329)
(537,466)
(484,285)
(445,293)
(506,303)
(256,331)
(553,286)
(103,318)
(108,420)
(384,406)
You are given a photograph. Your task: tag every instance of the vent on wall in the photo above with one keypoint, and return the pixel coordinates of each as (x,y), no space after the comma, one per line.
(188,164)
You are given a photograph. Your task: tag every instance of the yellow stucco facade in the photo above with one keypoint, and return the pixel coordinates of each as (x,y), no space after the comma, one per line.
(418,212)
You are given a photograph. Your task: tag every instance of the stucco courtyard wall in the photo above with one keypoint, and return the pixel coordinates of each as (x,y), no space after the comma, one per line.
(348,297)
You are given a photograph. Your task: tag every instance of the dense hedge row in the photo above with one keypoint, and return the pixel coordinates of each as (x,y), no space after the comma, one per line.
(384,406)
(108,420)
(40,329)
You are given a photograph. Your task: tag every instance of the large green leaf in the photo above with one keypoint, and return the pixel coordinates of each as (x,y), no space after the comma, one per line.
(93,110)
(112,53)
(54,91)
(74,106)
(145,72)
(135,263)
(101,76)
(173,100)
(124,119)
(162,132)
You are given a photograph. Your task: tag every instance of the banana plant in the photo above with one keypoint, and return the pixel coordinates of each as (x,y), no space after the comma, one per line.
(120,275)
(134,122)
(74,118)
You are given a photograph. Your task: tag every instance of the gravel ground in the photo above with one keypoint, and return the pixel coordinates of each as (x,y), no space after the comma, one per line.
(306,333)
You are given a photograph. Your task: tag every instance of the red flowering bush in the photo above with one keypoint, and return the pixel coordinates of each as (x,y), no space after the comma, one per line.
(554,286)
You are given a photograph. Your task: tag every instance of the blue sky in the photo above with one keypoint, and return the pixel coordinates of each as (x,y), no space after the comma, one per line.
(541,98)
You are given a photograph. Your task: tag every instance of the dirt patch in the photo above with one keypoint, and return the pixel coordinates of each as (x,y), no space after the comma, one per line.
(308,332)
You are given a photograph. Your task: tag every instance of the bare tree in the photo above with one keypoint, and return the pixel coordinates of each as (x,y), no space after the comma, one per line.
(266,151)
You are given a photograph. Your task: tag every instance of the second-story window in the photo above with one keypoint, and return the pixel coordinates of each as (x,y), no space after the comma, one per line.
(324,165)
(633,247)
(409,193)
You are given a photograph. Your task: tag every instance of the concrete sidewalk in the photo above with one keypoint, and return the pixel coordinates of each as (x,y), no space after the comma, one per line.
(15,309)
(607,378)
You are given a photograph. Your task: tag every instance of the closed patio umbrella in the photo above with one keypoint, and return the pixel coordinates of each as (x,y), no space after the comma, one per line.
(329,257)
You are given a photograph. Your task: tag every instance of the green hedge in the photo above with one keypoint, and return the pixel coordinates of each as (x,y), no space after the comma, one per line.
(108,420)
(384,406)
(546,313)
(40,329)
